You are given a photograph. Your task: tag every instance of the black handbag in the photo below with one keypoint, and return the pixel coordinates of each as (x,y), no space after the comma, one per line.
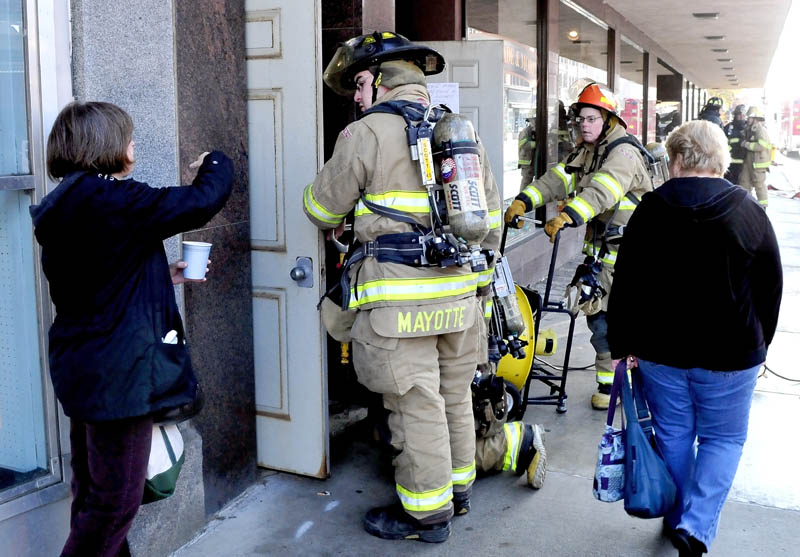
(178,414)
(650,491)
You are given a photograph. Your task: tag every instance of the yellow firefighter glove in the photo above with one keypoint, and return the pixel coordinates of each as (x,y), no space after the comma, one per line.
(516,209)
(555,224)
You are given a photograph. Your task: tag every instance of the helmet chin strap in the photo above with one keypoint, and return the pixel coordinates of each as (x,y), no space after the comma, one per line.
(606,117)
(376,81)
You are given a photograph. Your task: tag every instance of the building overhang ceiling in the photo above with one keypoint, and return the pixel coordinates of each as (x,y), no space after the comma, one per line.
(751,30)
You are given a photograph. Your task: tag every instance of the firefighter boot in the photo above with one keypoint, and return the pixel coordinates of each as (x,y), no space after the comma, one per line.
(604,376)
(461,505)
(393,523)
(602,398)
(533,456)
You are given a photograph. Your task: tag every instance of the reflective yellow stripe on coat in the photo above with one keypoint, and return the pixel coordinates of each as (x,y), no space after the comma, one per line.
(610,184)
(319,212)
(583,208)
(405,201)
(534,195)
(414,289)
(569,182)
(485,277)
(495,219)
(590,249)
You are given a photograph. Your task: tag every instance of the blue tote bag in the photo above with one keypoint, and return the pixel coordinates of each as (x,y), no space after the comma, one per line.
(649,490)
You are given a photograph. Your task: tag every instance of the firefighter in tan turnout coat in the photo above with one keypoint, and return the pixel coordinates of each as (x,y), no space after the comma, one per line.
(757,156)
(602,182)
(417,330)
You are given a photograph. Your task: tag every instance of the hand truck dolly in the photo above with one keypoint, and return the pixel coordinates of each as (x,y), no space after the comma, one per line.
(520,372)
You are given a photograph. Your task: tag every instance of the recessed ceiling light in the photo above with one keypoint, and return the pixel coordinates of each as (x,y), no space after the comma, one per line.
(728,68)
(573,35)
(730,75)
(724,59)
(706,15)
(720,50)
(715,37)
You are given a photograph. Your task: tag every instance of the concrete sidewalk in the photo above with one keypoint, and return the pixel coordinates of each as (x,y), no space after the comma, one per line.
(290,515)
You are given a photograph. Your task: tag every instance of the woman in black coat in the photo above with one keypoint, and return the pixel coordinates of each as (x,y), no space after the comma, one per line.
(103,255)
(697,288)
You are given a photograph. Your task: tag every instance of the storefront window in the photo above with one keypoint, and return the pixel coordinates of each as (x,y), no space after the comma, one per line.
(582,44)
(631,88)
(513,22)
(669,112)
(14,151)
(23,446)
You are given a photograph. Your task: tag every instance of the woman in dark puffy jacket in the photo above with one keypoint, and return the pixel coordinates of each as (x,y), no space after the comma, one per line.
(102,252)
(697,288)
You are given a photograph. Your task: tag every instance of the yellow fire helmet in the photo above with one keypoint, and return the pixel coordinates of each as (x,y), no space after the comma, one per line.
(755,112)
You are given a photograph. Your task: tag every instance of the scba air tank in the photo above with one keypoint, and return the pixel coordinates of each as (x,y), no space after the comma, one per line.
(457,156)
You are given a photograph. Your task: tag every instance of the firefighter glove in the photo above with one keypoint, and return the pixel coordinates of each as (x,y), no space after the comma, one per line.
(516,209)
(555,224)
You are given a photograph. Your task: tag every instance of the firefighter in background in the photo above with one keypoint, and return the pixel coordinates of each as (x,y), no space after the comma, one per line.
(565,144)
(527,152)
(417,328)
(711,110)
(757,156)
(607,182)
(501,445)
(735,132)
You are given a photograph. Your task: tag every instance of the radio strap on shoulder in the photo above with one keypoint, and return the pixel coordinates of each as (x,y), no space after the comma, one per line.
(628,139)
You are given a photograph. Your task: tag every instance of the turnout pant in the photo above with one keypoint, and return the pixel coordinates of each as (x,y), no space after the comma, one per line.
(734,173)
(425,383)
(751,178)
(602,359)
(498,450)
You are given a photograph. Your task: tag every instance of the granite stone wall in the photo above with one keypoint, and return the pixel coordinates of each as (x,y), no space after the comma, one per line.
(211,87)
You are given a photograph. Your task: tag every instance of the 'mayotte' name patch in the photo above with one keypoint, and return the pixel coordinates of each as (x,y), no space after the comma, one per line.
(401,322)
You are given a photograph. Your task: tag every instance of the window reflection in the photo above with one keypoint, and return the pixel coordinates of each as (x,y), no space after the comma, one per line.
(23,448)
(515,23)
(631,90)
(582,45)
(14,156)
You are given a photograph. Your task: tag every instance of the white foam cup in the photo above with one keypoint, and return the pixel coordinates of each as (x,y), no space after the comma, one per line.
(196,256)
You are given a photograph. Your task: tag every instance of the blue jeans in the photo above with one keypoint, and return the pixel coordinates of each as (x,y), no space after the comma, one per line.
(714,408)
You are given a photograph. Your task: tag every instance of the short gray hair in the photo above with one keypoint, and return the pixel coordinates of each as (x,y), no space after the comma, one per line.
(702,146)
